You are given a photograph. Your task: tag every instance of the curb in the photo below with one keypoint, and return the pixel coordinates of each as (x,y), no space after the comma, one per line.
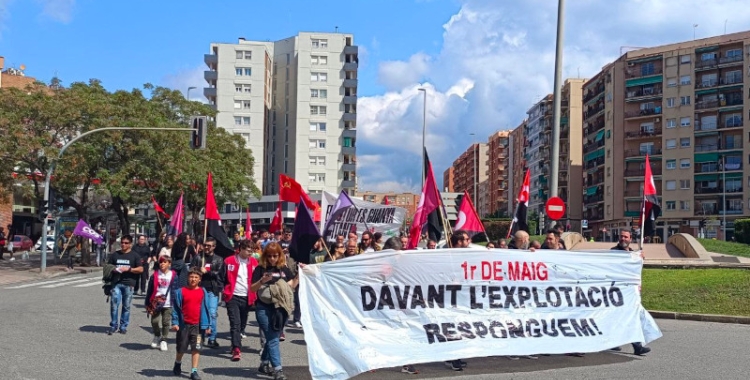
(700,317)
(708,265)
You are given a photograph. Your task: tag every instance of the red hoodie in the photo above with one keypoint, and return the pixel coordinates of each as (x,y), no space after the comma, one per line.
(232,267)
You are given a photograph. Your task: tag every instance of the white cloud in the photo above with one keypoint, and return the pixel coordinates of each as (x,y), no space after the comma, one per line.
(497,60)
(58,10)
(188,77)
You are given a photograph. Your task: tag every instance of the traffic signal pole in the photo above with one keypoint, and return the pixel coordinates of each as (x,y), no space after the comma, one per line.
(48,177)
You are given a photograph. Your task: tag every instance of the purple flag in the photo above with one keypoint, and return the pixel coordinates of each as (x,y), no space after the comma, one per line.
(84,230)
(343,203)
(175,224)
(304,235)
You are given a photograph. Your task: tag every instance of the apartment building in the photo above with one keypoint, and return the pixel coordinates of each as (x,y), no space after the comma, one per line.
(496,188)
(683,105)
(294,101)
(408,201)
(570,167)
(517,165)
(448,179)
(537,146)
(469,170)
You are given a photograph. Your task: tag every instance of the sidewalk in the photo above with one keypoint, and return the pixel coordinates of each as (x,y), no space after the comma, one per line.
(20,270)
(667,255)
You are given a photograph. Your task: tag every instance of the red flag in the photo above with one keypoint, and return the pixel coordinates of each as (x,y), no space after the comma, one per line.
(386,201)
(291,191)
(248,225)
(428,202)
(212,212)
(158,208)
(277,221)
(468,219)
(213,222)
(651,209)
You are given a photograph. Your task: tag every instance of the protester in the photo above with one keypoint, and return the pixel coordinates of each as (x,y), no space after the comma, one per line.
(490,245)
(520,240)
(534,245)
(502,243)
(235,276)
(431,244)
(378,237)
(351,248)
(67,244)
(273,282)
(181,254)
(367,244)
(559,229)
(404,241)
(339,252)
(318,253)
(211,266)
(551,241)
(127,269)
(159,301)
(393,243)
(190,319)
(143,250)
(624,245)
(166,249)
(3,242)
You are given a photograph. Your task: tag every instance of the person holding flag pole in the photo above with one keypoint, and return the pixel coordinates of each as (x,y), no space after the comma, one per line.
(519,217)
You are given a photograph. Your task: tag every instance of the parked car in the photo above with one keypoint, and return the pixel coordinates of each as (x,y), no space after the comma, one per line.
(50,244)
(22,243)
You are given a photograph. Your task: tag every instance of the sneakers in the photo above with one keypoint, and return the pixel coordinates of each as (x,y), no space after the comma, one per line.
(265,369)
(279,375)
(641,350)
(195,376)
(111,331)
(298,324)
(409,369)
(455,365)
(282,337)
(177,369)
(163,345)
(123,331)
(212,344)
(155,342)
(243,335)
(236,354)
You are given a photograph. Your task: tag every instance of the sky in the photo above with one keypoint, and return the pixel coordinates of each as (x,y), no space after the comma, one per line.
(484,63)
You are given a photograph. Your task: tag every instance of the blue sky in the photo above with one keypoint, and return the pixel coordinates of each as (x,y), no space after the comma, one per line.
(484,62)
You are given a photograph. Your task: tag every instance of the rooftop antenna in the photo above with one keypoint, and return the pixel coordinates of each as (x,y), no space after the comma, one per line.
(337,29)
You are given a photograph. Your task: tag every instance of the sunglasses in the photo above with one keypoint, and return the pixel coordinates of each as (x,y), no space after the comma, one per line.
(126,242)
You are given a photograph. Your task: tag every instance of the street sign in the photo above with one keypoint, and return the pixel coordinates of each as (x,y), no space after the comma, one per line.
(555,208)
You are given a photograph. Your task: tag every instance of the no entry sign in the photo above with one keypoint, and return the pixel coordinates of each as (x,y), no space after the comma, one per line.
(555,208)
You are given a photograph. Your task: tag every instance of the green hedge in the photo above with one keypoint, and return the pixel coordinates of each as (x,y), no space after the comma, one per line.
(742,230)
(496,229)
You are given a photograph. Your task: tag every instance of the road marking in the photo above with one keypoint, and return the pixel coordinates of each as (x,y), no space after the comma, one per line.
(99,282)
(66,283)
(43,283)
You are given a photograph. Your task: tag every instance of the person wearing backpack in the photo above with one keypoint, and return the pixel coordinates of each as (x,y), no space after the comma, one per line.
(127,267)
(159,301)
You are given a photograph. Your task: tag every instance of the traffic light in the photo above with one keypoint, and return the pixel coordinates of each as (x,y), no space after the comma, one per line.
(199,125)
(42,209)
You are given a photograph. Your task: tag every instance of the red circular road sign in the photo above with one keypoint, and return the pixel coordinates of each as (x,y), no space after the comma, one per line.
(555,208)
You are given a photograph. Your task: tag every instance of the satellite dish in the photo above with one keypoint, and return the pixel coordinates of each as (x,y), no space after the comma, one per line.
(23,67)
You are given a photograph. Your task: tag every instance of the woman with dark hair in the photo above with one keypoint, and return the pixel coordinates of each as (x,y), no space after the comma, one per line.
(274,283)
(182,252)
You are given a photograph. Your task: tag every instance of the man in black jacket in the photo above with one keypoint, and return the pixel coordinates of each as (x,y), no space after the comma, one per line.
(143,250)
(211,266)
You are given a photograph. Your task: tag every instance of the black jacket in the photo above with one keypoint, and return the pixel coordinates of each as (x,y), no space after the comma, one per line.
(143,251)
(211,280)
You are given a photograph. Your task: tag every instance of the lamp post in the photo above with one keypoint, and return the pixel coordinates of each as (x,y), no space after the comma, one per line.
(475,154)
(694,26)
(188,91)
(424,129)
(556,103)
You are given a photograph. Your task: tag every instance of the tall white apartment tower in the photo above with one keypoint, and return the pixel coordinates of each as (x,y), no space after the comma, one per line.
(295,103)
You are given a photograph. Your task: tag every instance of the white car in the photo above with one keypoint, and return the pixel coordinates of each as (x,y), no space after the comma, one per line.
(50,244)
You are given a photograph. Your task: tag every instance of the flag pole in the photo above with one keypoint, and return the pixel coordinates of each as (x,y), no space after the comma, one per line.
(205,235)
(643,223)
(323,242)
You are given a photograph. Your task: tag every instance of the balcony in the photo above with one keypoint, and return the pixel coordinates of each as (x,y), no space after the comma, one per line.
(730,60)
(641,172)
(594,92)
(642,152)
(732,123)
(635,73)
(210,59)
(591,111)
(349,184)
(718,146)
(350,66)
(712,167)
(713,209)
(593,145)
(351,49)
(349,116)
(349,132)
(209,92)
(632,193)
(643,94)
(349,167)
(709,104)
(644,133)
(350,100)
(350,83)
(349,150)
(210,75)
(644,112)
(594,163)
(593,199)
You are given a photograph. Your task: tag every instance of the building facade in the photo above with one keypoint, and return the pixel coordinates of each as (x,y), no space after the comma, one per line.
(498,173)
(517,164)
(469,170)
(408,201)
(448,179)
(294,101)
(537,152)
(570,178)
(682,105)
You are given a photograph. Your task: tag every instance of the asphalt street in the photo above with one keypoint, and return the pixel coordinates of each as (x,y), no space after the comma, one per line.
(56,329)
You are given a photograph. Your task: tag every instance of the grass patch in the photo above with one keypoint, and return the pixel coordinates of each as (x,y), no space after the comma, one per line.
(726,247)
(703,291)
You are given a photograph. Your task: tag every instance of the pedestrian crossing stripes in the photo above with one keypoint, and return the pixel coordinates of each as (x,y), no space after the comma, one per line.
(72,281)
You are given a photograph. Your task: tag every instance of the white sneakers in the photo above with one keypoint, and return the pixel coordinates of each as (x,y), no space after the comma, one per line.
(155,342)
(163,345)
(298,324)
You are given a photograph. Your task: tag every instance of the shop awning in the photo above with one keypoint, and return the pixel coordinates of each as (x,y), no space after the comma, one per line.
(591,190)
(599,136)
(707,49)
(706,157)
(647,59)
(705,177)
(594,155)
(643,81)
(706,92)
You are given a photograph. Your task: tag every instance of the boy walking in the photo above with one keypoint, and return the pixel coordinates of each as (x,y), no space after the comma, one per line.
(159,301)
(190,316)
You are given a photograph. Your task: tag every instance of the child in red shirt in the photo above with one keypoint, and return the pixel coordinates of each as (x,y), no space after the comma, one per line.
(189,317)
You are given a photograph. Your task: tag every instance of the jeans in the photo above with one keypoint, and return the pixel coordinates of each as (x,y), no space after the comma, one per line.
(120,294)
(213,310)
(142,280)
(237,309)
(161,322)
(271,352)
(297,311)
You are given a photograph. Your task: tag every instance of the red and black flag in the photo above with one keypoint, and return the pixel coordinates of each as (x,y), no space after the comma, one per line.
(651,208)
(213,222)
(519,218)
(429,204)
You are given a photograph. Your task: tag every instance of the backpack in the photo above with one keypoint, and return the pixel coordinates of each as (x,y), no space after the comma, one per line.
(107,278)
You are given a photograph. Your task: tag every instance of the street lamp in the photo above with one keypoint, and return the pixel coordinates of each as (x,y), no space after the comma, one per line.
(694,26)
(188,91)
(424,129)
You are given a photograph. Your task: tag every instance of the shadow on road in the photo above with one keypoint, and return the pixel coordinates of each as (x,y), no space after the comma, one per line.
(242,372)
(298,341)
(156,373)
(94,329)
(136,346)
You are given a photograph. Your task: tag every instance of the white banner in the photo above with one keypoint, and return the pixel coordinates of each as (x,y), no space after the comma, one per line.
(369,216)
(394,308)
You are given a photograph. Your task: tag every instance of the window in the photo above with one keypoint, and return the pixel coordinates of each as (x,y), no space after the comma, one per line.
(685,121)
(684,163)
(733,53)
(671,205)
(733,77)
(684,80)
(237,120)
(684,59)
(671,61)
(671,185)
(647,69)
(684,205)
(708,56)
(244,54)
(671,164)
(238,88)
(246,120)
(733,120)
(671,123)
(237,104)
(684,184)
(239,54)
(246,88)
(314,144)
(318,77)
(319,60)
(671,143)
(248,54)
(671,82)
(312,177)
(313,161)
(317,127)
(670,102)
(238,71)
(684,100)
(684,142)
(321,94)
(319,43)
(246,104)
(243,71)
(318,110)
